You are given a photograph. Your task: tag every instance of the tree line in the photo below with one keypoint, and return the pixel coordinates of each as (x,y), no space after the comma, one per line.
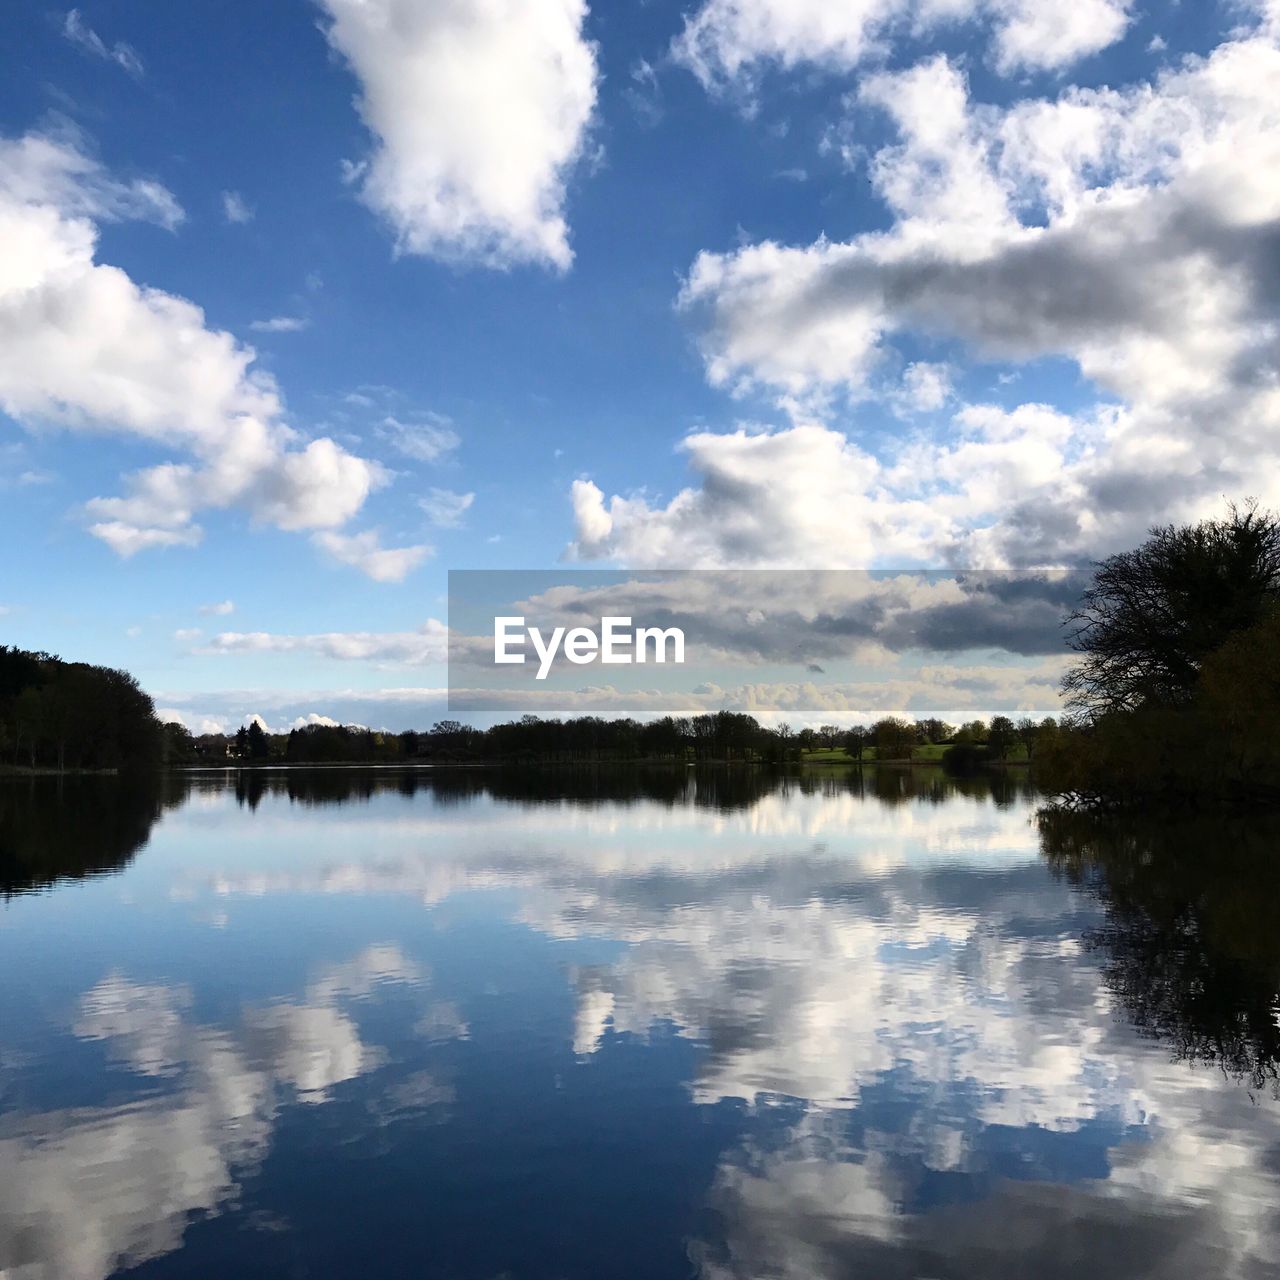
(73,715)
(727,737)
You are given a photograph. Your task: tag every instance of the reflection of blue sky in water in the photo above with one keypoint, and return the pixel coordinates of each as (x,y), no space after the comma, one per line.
(817,1036)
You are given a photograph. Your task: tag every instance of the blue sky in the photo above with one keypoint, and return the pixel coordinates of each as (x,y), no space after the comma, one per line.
(898,283)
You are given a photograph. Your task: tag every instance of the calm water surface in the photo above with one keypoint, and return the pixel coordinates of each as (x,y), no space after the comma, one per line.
(349,1024)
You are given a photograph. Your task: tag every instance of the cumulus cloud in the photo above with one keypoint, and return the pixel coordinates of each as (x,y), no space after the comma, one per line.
(729,42)
(479,113)
(127,539)
(220,609)
(196,722)
(309,721)
(85,348)
(925,388)
(1031,34)
(1129,231)
(809,496)
(364,551)
(83,36)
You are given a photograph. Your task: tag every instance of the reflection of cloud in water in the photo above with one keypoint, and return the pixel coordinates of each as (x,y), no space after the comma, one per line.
(812,1212)
(981,1019)
(1187,1201)
(820,948)
(88,1190)
(479,846)
(143,1024)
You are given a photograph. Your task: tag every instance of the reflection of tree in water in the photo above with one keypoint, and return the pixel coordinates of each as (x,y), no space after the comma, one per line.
(724,788)
(67,828)
(1191,943)
(55,828)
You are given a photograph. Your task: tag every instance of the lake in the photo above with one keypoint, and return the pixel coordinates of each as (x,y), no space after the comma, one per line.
(572,1025)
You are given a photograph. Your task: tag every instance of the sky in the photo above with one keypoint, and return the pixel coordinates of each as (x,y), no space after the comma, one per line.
(303,305)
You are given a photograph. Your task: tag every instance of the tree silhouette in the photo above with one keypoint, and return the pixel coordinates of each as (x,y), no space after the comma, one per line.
(1152,615)
(66,715)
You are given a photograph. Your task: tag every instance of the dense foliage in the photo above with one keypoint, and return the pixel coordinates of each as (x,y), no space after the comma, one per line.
(70,715)
(1177,693)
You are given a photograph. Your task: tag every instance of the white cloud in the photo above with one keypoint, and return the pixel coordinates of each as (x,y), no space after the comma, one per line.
(810,497)
(85,348)
(479,109)
(196,723)
(1032,34)
(802,497)
(444,508)
(220,609)
(427,645)
(55,182)
(280,324)
(1124,230)
(727,43)
(128,539)
(235,208)
(425,441)
(306,722)
(925,387)
(298,722)
(364,551)
(75,29)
